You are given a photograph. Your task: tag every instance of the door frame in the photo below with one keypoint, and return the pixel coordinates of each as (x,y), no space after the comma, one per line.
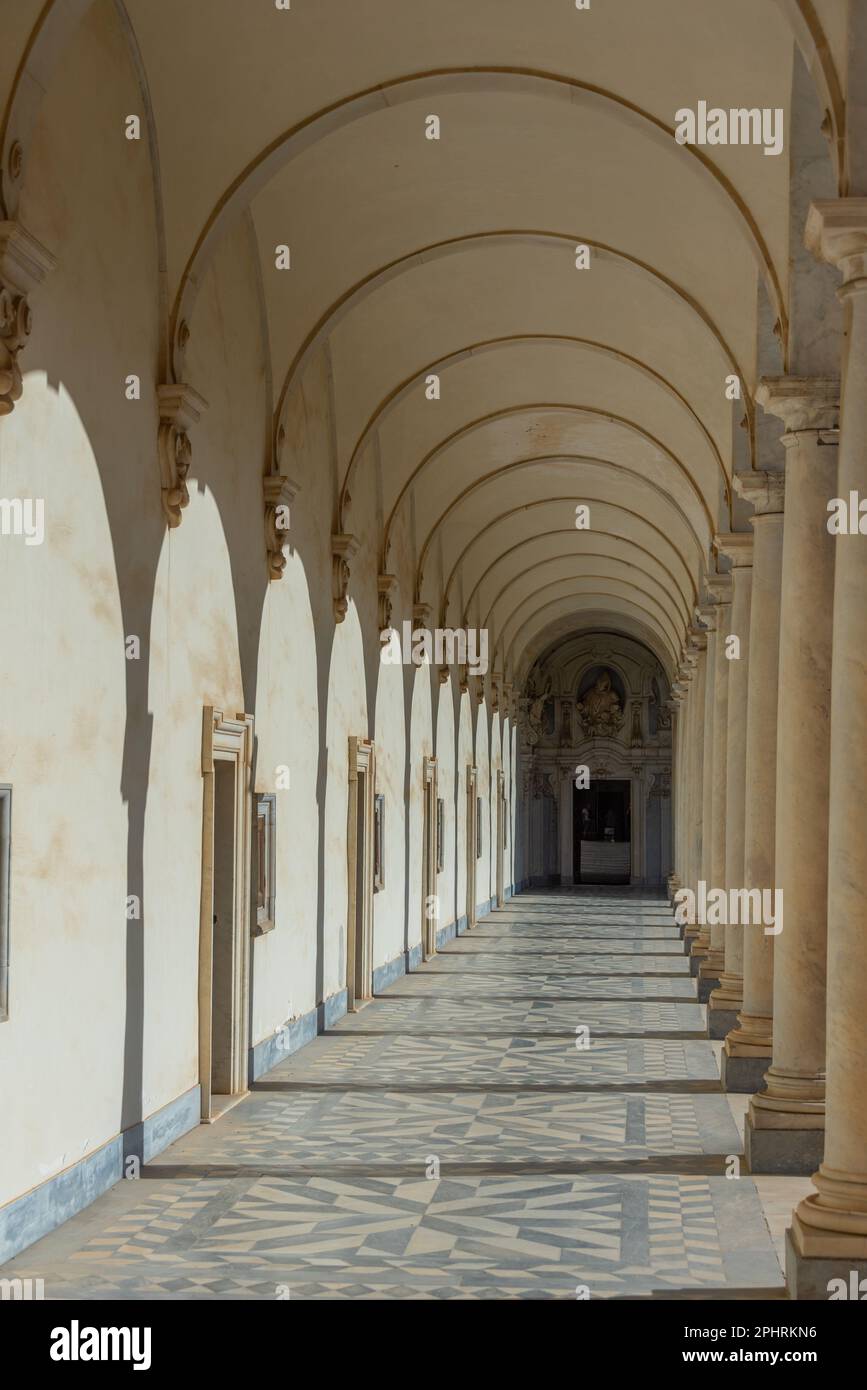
(472,843)
(359,953)
(429,857)
(226,740)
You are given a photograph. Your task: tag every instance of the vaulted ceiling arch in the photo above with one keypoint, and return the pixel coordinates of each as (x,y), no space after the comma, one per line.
(610,608)
(577,587)
(555,632)
(636,521)
(559,242)
(603,563)
(441,365)
(497,475)
(598,536)
(432,84)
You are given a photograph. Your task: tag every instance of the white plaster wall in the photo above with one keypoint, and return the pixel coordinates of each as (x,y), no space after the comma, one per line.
(71,440)
(496,764)
(391,745)
(420,747)
(445,755)
(465,758)
(483,789)
(284,960)
(347,716)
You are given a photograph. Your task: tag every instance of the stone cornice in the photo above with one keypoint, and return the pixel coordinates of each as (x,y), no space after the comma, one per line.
(801,402)
(836,231)
(765,491)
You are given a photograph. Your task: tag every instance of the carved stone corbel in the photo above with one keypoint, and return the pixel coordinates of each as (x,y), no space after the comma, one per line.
(343,549)
(421,615)
(385,586)
(180,408)
(279,493)
(24,263)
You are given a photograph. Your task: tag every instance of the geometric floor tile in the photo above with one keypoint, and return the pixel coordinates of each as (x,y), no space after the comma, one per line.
(533,1112)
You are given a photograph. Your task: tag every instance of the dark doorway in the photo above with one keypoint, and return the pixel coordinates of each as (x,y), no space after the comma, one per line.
(602,849)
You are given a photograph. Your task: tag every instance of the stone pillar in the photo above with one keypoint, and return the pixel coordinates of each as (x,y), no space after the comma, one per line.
(747,1051)
(711,967)
(727,999)
(784,1132)
(701,943)
(828,1236)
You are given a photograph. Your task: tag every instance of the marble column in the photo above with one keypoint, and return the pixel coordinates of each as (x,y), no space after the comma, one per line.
(701,942)
(727,999)
(747,1051)
(719,586)
(784,1131)
(828,1236)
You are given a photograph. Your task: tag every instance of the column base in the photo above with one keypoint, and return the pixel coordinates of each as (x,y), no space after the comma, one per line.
(824,1277)
(730,994)
(743,1074)
(708,981)
(697,957)
(797,1152)
(720,1021)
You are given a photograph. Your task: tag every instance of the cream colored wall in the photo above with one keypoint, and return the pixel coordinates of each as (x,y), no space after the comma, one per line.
(75,442)
(420,747)
(483,789)
(446,788)
(390,734)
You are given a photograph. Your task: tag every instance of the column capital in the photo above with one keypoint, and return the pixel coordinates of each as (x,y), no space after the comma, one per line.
(737,546)
(836,231)
(763,490)
(801,402)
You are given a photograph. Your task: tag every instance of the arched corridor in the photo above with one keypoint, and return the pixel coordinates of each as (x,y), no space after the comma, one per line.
(432,608)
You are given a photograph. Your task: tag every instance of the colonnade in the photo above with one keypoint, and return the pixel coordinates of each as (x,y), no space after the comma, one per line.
(771,766)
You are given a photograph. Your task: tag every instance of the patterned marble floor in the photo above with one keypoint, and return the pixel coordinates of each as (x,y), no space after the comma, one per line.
(533,1113)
